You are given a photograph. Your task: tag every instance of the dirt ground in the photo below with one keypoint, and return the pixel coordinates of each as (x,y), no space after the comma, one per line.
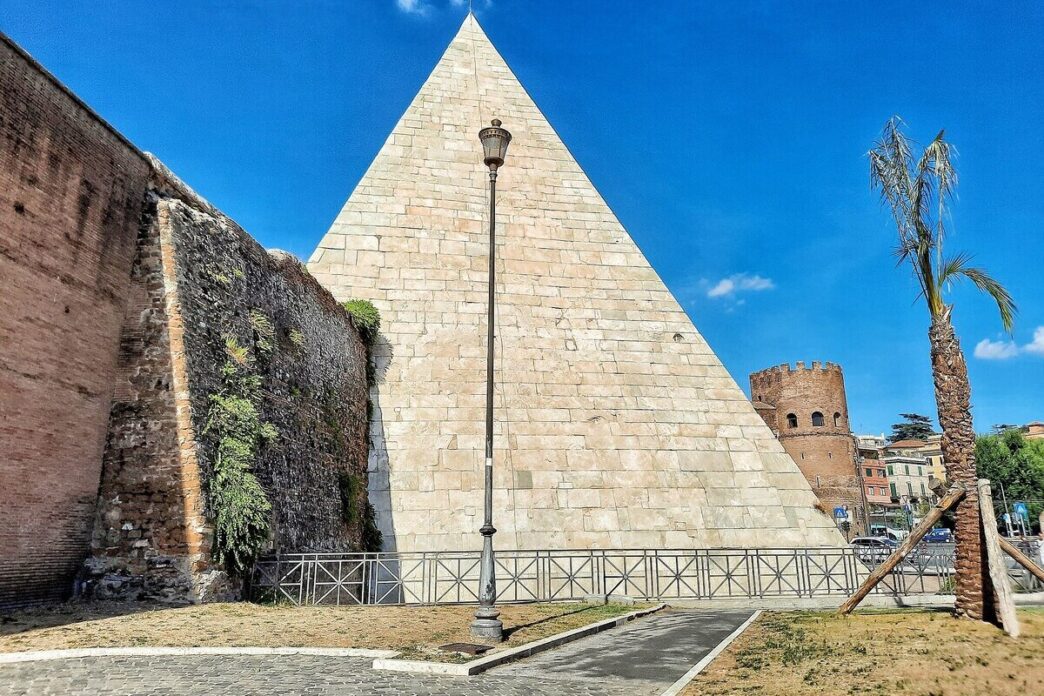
(928,653)
(415,630)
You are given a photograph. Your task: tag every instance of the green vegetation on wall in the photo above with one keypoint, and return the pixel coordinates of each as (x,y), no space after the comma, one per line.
(239,505)
(372,539)
(367,319)
(349,486)
(264,332)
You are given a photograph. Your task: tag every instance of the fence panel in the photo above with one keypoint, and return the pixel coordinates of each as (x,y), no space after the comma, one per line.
(649,574)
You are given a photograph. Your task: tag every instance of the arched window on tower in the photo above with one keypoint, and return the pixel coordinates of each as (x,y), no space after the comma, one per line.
(791,420)
(817,419)
(837,420)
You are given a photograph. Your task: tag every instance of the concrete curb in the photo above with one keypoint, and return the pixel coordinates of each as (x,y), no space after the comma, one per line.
(677,687)
(480,665)
(826,603)
(41,655)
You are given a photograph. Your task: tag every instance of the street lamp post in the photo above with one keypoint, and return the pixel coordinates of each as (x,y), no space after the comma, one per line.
(486,624)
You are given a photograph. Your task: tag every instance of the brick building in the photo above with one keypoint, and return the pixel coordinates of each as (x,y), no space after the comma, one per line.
(874,473)
(807,410)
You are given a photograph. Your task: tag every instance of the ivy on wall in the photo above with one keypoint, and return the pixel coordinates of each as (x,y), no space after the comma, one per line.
(238,502)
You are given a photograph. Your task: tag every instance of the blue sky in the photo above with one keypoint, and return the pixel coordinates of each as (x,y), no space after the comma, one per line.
(728,137)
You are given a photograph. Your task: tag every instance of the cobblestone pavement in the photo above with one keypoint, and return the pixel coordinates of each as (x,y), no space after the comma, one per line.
(641,658)
(257,675)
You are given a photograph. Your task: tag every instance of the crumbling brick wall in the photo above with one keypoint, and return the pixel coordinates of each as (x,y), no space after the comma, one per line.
(111,296)
(71,192)
(199,280)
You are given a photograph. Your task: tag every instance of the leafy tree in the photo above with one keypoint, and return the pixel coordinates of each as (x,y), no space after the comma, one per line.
(1010,459)
(918,190)
(915,427)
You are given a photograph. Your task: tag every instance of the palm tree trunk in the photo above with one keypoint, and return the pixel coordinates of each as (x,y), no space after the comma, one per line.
(953,397)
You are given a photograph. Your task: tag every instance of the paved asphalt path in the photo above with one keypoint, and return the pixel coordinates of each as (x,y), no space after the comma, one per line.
(643,657)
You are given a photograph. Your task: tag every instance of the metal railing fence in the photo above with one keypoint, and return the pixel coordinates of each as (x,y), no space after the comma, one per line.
(552,575)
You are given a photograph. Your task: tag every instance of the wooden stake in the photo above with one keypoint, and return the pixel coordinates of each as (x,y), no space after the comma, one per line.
(1023,560)
(998,570)
(916,534)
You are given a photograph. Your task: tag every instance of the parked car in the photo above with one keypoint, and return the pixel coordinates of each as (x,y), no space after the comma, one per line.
(880,530)
(873,549)
(939,535)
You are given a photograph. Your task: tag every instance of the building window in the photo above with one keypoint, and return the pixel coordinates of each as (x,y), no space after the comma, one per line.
(907,469)
(909,488)
(884,491)
(869,472)
(890,470)
(924,491)
(791,420)
(895,493)
(881,473)
(837,420)
(817,419)
(870,491)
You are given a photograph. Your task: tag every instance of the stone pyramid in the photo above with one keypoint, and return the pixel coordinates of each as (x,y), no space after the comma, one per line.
(616,425)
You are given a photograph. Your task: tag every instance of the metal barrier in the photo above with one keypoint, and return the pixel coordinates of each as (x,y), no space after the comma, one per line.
(551,575)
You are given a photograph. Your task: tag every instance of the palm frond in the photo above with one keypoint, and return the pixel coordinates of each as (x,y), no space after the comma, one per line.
(958,267)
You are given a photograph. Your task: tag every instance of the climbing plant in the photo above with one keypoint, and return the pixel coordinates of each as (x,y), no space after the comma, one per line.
(239,505)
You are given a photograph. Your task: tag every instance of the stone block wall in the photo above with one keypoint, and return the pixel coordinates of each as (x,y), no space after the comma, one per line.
(199,282)
(71,192)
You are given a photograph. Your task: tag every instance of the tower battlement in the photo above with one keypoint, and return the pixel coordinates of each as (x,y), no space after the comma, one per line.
(798,367)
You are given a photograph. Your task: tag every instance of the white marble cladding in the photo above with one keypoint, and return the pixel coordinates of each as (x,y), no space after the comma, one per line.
(616,425)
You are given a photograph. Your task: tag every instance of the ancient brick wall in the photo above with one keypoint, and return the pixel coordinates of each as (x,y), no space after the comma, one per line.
(118,287)
(70,198)
(788,399)
(199,282)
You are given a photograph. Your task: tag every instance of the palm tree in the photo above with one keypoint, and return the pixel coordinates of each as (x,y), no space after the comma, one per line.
(918,191)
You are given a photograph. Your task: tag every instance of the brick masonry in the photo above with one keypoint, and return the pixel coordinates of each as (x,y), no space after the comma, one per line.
(826,453)
(119,286)
(71,192)
(198,280)
(616,425)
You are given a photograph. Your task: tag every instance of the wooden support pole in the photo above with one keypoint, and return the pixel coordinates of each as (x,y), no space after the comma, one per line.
(952,497)
(998,569)
(1023,560)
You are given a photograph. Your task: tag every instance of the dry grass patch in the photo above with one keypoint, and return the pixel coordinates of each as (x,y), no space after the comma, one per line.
(415,630)
(928,653)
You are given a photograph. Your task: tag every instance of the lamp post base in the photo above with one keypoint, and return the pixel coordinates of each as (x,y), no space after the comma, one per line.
(487,626)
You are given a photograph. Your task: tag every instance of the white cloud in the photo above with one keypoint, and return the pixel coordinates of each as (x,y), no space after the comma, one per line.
(417,7)
(422,8)
(1003,350)
(740,282)
(995,350)
(1037,346)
